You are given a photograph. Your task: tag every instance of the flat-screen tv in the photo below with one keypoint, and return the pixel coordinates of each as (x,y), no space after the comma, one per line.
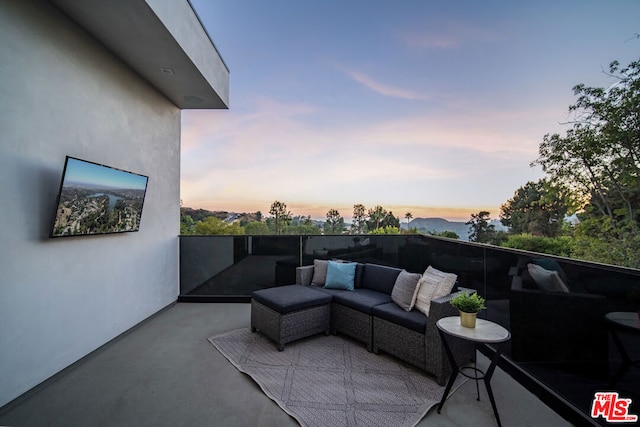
(97,199)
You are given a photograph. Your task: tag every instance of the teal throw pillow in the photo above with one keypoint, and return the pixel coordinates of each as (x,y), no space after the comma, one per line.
(340,275)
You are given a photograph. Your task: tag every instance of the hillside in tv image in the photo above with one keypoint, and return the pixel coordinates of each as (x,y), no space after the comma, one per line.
(97,199)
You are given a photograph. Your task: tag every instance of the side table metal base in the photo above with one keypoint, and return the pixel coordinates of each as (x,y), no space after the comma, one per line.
(479,375)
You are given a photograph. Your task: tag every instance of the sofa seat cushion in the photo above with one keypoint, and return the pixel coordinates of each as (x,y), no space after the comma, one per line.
(379,278)
(391,312)
(290,298)
(331,292)
(361,299)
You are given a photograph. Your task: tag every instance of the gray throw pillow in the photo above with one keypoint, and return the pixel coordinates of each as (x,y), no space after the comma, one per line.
(319,272)
(405,290)
(547,280)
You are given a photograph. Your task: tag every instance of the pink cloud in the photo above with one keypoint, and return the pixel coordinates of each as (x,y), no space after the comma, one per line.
(385,89)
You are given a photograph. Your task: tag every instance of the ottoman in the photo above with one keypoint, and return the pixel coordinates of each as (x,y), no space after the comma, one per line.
(289,313)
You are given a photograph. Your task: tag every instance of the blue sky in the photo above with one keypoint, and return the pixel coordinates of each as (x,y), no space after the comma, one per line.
(91,173)
(431,107)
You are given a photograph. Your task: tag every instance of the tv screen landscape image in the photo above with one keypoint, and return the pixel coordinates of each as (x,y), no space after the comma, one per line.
(98,199)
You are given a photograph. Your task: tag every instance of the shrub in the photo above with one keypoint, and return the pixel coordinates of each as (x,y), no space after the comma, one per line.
(559,246)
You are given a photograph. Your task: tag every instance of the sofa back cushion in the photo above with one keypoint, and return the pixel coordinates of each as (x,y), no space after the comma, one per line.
(379,278)
(359,271)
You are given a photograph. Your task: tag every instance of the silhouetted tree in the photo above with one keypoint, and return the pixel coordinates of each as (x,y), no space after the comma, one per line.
(481,230)
(537,208)
(359,219)
(335,222)
(408,216)
(282,217)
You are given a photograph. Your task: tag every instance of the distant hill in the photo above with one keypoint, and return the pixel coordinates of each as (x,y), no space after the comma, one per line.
(438,225)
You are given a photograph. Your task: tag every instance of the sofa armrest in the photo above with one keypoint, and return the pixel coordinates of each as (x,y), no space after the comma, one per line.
(464,351)
(440,307)
(304,275)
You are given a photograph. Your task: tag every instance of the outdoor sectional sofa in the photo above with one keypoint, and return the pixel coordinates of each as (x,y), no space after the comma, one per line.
(366,313)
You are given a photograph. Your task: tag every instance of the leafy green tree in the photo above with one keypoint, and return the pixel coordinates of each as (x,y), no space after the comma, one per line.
(302,229)
(282,217)
(598,160)
(256,228)
(234,228)
(379,217)
(599,157)
(358,222)
(215,226)
(448,234)
(481,229)
(536,208)
(385,230)
(334,223)
(390,220)
(602,240)
(307,221)
(187,225)
(375,217)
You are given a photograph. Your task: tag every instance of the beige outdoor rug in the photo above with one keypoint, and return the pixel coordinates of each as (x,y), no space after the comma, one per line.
(333,381)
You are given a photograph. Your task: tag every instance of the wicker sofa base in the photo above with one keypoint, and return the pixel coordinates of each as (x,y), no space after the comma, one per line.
(286,328)
(399,341)
(353,323)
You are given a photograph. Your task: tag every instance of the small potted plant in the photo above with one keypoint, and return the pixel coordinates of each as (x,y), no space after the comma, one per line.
(469,304)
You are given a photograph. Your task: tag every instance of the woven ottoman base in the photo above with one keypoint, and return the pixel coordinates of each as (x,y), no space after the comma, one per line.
(289,313)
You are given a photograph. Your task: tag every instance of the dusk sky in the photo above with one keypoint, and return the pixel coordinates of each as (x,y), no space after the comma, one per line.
(80,171)
(431,107)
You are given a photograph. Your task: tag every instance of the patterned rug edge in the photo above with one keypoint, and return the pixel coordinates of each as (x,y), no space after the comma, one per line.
(239,367)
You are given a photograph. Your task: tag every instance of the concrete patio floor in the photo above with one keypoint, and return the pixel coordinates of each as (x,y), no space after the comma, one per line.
(164,372)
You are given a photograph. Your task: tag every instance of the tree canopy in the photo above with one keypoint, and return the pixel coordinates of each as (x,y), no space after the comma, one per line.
(599,156)
(380,218)
(213,225)
(281,216)
(481,229)
(537,208)
(334,223)
(597,164)
(358,222)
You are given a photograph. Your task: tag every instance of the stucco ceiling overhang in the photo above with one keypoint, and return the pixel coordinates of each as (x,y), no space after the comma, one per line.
(163,41)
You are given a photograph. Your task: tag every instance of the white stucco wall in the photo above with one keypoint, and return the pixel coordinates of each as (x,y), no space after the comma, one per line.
(61,93)
(179,20)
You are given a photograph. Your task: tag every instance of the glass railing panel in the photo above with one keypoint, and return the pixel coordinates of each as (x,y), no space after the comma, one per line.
(233,265)
(348,248)
(559,332)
